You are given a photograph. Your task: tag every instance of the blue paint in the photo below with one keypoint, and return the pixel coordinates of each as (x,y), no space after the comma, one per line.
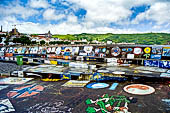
(24,90)
(166,52)
(151,63)
(65,76)
(164,64)
(113,87)
(153,56)
(3,107)
(97,85)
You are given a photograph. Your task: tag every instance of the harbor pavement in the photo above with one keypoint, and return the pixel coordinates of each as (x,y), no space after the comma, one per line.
(37,96)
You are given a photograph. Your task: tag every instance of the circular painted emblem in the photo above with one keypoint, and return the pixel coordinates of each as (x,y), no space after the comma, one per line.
(97,85)
(58,50)
(48,49)
(104,50)
(25,91)
(88,49)
(137,50)
(147,50)
(139,89)
(97,50)
(115,51)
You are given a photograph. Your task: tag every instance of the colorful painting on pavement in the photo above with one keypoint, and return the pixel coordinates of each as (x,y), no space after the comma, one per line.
(14,80)
(137,51)
(88,49)
(58,50)
(97,76)
(156,50)
(147,50)
(66,76)
(155,56)
(166,103)
(25,91)
(113,86)
(6,106)
(67,51)
(164,64)
(47,80)
(57,106)
(75,50)
(152,63)
(97,85)
(167,75)
(3,87)
(75,83)
(108,104)
(139,89)
(166,51)
(115,51)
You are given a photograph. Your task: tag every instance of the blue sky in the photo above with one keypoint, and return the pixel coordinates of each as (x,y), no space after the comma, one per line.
(86,16)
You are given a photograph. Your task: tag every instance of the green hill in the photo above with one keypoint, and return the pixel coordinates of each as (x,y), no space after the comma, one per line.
(146,38)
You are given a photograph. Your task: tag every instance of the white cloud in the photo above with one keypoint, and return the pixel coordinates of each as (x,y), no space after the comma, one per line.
(24,12)
(72,19)
(158,12)
(102,10)
(106,11)
(50,14)
(39,4)
(53,1)
(100,13)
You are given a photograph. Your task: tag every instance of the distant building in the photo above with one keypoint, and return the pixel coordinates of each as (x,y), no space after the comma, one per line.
(14,32)
(3,33)
(49,35)
(109,42)
(1,28)
(46,35)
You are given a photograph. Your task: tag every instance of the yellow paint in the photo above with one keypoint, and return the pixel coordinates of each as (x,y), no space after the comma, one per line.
(47,79)
(135,71)
(66,57)
(64,77)
(53,62)
(147,50)
(166,47)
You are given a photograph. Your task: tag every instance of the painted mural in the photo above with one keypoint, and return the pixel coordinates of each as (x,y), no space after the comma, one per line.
(14,80)
(108,104)
(97,85)
(75,83)
(139,89)
(156,50)
(6,106)
(3,87)
(25,91)
(166,51)
(152,63)
(115,51)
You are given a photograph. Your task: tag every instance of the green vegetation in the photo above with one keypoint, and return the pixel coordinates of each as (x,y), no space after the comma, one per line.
(146,38)
(59,42)
(42,42)
(23,40)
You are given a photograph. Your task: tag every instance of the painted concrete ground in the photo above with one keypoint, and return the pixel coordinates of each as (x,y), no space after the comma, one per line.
(50,97)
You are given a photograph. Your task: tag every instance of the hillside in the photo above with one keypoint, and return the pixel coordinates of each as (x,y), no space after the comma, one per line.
(146,38)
